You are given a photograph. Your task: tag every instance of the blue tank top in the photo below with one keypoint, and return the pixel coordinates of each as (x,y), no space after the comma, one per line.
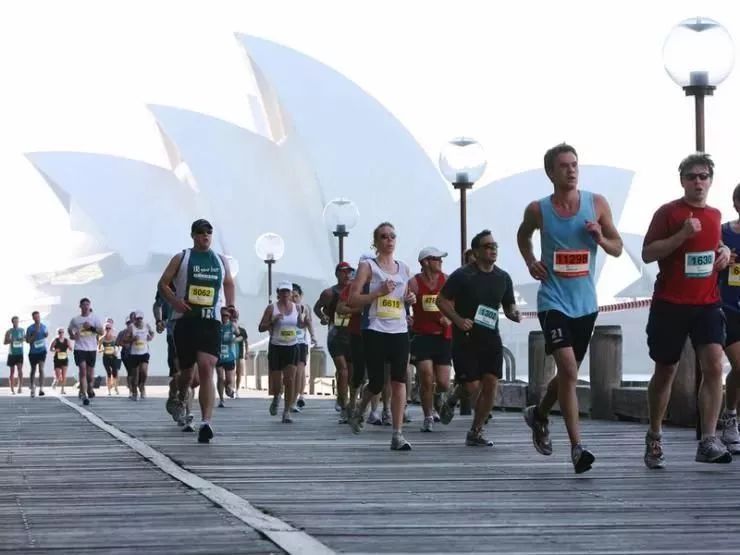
(569,254)
(729,278)
(228,344)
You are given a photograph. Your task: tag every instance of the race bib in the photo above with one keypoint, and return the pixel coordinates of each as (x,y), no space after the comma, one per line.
(61,355)
(287,334)
(733,275)
(39,344)
(86,333)
(341,320)
(200,295)
(140,343)
(225,351)
(487,317)
(388,308)
(429,303)
(698,264)
(109,350)
(17,344)
(570,264)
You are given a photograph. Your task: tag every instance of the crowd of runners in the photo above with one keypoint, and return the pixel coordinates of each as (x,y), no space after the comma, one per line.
(383,317)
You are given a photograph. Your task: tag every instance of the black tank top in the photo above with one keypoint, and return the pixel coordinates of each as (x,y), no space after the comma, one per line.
(61,345)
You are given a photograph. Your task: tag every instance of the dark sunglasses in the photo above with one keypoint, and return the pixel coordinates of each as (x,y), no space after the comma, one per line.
(434,258)
(490,246)
(691,176)
(204,231)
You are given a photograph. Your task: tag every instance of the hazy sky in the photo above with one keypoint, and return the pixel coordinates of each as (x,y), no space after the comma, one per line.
(518,76)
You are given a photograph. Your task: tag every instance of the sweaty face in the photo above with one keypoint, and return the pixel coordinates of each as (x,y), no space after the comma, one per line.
(487,251)
(564,173)
(696,182)
(202,238)
(385,239)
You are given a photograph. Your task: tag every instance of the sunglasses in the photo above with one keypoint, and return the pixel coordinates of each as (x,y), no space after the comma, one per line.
(386,236)
(691,176)
(204,232)
(490,246)
(434,258)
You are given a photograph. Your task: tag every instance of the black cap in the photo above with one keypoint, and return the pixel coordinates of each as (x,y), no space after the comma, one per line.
(200,224)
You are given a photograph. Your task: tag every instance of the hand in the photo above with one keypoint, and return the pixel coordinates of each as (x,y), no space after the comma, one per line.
(691,226)
(514,316)
(465,324)
(445,321)
(180,306)
(324,321)
(233,311)
(594,229)
(733,256)
(537,270)
(160,326)
(410,297)
(387,287)
(313,343)
(409,320)
(723,258)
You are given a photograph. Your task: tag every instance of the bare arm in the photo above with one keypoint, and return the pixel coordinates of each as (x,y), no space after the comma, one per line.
(608,237)
(512,313)
(229,286)
(318,308)
(531,221)
(447,307)
(356,296)
(343,308)
(163,285)
(266,321)
(7,338)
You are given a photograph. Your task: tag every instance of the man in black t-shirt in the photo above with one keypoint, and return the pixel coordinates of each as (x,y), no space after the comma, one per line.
(471,298)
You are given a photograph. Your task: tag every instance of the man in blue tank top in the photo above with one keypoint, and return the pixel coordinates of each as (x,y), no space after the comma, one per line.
(203,284)
(36,335)
(572,223)
(14,338)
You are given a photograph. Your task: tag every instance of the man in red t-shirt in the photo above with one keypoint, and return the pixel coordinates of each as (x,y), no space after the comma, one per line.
(431,346)
(685,238)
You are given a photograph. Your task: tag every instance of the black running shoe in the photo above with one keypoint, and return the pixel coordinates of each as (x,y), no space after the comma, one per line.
(205,433)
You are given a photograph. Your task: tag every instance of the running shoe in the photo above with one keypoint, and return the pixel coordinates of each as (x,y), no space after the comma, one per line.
(712,450)
(582,458)
(653,451)
(274,407)
(447,411)
(475,438)
(406,416)
(357,423)
(221,405)
(287,419)
(540,431)
(86,401)
(727,426)
(41,393)
(399,443)
(435,416)
(343,417)
(386,418)
(188,427)
(301,403)
(205,433)
(428,424)
(374,419)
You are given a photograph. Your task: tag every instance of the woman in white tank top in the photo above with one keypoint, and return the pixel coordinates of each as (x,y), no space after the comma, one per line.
(283,321)
(384,327)
(138,335)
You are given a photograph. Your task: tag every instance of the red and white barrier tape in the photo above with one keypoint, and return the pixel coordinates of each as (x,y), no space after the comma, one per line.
(616,307)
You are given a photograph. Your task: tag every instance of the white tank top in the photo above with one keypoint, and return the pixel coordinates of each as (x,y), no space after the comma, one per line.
(140,345)
(387,314)
(285,331)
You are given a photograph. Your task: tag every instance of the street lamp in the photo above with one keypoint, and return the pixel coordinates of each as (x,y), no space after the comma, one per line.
(341,215)
(462,163)
(270,248)
(698,54)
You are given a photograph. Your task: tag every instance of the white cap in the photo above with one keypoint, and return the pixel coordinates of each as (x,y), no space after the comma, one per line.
(284,285)
(138,314)
(426,252)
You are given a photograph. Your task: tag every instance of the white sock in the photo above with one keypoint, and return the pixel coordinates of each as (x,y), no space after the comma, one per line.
(730,412)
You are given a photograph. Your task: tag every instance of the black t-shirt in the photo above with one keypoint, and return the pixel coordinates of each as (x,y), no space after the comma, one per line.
(478,296)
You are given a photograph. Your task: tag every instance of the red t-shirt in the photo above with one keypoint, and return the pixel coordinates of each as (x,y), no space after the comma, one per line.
(426,314)
(687,275)
(355,320)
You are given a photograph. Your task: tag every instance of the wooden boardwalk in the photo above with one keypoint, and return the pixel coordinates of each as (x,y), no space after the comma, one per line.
(351,492)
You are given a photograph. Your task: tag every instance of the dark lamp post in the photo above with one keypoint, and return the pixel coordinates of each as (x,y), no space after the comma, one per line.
(341,215)
(270,248)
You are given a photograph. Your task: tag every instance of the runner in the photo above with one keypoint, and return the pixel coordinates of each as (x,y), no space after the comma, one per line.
(338,338)
(471,299)
(125,351)
(203,282)
(685,238)
(14,337)
(227,359)
(729,284)
(432,334)
(36,335)
(111,362)
(242,353)
(300,373)
(138,336)
(84,330)
(573,223)
(282,319)
(385,332)
(162,313)
(60,347)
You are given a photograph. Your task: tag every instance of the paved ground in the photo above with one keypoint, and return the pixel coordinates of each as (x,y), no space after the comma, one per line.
(350,493)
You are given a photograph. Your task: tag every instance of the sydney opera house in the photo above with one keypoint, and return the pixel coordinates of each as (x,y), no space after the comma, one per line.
(321,142)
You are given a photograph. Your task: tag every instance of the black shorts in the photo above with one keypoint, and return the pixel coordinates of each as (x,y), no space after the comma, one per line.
(472,360)
(359,371)
(302,353)
(563,331)
(196,335)
(112,365)
(339,345)
(135,360)
(381,348)
(60,362)
(171,355)
(431,347)
(88,357)
(732,321)
(37,358)
(280,356)
(227,366)
(669,325)
(15,360)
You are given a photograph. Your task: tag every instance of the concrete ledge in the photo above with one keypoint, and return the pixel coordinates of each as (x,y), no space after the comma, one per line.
(630,403)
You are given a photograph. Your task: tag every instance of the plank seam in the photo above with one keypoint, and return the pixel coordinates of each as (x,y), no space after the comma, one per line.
(292,540)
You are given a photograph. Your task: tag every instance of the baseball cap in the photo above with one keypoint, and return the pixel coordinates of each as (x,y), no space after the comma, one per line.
(138,314)
(200,224)
(284,285)
(343,266)
(426,252)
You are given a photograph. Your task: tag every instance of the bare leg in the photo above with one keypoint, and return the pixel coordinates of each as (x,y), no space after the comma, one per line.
(20,378)
(562,388)
(710,390)
(398,404)
(486,398)
(425,372)
(659,393)
(11,380)
(289,382)
(63,372)
(342,380)
(143,374)
(732,385)
(83,379)
(207,393)
(220,383)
